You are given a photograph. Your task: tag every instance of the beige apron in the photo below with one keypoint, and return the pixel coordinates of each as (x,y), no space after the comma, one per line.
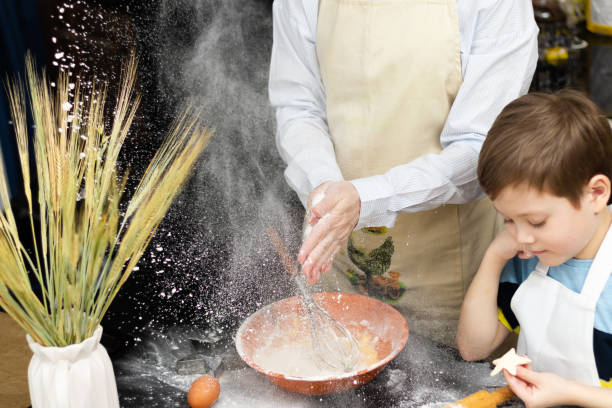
(391,70)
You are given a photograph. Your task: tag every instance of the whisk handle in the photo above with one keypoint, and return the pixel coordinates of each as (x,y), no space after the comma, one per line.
(300,282)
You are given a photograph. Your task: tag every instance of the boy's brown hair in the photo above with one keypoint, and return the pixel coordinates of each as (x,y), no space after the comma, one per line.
(552,142)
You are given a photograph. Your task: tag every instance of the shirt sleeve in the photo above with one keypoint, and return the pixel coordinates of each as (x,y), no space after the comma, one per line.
(499,54)
(296,92)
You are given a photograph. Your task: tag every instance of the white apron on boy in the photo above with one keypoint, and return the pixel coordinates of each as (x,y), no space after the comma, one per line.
(557,323)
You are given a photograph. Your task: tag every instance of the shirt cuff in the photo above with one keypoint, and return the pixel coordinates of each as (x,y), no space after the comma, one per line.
(375,193)
(322,173)
(303,183)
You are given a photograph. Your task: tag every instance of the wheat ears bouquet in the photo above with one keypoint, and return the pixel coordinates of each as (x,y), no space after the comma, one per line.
(86,239)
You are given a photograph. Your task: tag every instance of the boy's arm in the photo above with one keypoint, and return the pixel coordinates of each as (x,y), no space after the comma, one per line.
(589,396)
(538,389)
(480,332)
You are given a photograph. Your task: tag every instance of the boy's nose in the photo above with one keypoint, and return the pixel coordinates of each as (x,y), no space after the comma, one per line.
(524,237)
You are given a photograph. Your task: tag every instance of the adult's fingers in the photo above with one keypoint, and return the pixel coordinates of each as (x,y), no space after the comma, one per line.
(320,230)
(319,259)
(316,196)
(310,241)
(322,257)
(326,246)
(336,215)
(327,266)
(316,258)
(334,218)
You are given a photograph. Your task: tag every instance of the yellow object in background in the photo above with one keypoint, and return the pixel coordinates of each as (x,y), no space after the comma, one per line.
(599,16)
(555,55)
(574,11)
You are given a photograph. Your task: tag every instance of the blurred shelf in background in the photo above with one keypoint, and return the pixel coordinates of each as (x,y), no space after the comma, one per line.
(570,55)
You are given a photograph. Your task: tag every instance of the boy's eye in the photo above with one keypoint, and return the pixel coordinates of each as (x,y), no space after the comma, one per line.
(537,224)
(507,221)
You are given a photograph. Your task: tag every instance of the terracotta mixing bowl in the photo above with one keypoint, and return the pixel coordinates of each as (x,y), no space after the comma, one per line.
(356,312)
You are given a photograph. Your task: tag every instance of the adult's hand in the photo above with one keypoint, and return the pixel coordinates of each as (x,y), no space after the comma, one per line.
(332,220)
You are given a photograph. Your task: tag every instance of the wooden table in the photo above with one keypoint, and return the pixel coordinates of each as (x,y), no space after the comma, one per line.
(14,359)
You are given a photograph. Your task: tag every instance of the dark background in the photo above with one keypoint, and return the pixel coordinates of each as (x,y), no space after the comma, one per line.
(215,266)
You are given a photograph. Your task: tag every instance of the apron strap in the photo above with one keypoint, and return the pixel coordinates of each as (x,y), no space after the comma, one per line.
(600,270)
(541,269)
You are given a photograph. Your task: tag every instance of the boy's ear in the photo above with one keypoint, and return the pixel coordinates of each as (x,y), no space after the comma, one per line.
(598,189)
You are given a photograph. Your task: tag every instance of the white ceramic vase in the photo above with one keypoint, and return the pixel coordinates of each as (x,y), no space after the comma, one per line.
(78,375)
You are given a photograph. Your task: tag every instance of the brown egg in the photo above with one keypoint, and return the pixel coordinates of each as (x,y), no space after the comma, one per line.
(204,392)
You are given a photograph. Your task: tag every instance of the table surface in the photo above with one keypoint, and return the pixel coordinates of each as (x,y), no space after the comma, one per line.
(14,359)
(424,374)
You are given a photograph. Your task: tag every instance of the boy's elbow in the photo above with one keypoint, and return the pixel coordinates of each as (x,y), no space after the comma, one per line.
(468,355)
(467,352)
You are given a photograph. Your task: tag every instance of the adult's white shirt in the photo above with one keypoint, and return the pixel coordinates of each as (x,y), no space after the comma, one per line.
(499,52)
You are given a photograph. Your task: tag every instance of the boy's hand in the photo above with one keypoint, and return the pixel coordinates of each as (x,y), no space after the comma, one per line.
(505,246)
(538,389)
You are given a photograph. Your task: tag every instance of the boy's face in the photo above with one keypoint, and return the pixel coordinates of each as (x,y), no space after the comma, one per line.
(548,226)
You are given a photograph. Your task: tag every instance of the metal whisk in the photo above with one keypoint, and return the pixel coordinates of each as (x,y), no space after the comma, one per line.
(333,345)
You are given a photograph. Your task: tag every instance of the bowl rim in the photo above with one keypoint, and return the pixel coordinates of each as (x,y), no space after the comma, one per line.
(379,364)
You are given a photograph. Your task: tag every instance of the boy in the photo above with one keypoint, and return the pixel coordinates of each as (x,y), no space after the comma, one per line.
(547,166)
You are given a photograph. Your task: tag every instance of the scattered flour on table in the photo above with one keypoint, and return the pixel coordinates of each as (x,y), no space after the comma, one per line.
(395,383)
